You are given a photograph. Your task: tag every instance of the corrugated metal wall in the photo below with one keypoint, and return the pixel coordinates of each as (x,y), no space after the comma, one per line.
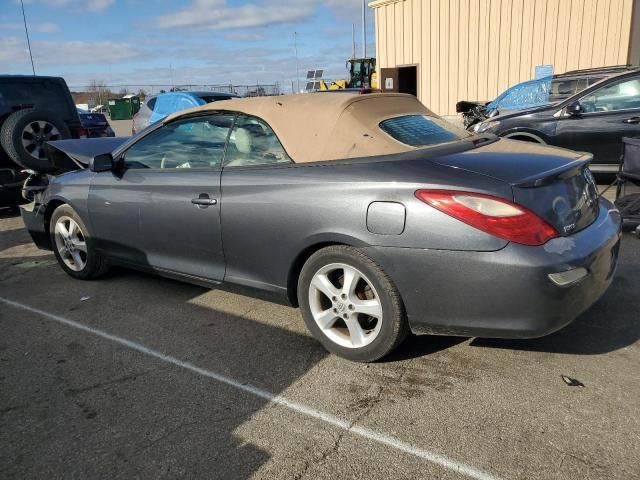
(475,49)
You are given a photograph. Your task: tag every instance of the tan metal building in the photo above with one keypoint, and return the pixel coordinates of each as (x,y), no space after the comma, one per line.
(450,50)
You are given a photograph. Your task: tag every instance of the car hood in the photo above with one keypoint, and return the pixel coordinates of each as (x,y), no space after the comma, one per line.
(506,113)
(73,154)
(512,161)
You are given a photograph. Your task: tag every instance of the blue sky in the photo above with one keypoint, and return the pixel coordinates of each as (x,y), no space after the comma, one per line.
(195,41)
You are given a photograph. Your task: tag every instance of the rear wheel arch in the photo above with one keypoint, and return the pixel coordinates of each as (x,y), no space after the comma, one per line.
(296,268)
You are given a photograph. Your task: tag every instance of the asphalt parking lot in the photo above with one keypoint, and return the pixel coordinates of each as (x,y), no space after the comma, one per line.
(122,128)
(134,376)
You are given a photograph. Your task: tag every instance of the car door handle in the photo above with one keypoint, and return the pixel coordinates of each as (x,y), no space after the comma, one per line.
(632,120)
(204,201)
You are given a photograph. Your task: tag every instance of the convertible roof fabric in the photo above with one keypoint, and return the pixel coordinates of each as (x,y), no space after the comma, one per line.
(326,126)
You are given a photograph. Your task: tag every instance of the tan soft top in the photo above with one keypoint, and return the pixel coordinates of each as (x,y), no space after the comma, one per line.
(326,126)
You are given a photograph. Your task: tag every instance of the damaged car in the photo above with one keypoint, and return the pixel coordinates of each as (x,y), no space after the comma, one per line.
(594,120)
(535,93)
(377,219)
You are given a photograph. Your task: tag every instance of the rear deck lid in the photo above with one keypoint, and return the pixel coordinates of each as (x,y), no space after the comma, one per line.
(554,183)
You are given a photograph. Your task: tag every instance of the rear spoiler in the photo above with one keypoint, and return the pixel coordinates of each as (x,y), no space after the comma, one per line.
(550,176)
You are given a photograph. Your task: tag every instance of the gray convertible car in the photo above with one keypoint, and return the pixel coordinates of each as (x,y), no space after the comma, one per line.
(372,214)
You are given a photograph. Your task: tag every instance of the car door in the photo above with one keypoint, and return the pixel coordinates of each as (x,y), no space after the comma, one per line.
(255,165)
(161,210)
(607,114)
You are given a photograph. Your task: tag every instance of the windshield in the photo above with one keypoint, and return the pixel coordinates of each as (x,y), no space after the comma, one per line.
(421,130)
(523,95)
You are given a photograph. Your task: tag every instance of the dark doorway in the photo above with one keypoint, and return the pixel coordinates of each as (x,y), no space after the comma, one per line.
(408,80)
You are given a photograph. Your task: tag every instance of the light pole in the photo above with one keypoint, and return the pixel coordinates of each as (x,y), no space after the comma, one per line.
(26,31)
(364,29)
(295,47)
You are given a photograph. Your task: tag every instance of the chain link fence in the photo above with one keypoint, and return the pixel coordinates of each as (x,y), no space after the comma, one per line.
(96,95)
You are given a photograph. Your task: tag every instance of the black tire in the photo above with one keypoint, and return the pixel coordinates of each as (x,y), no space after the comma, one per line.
(13,130)
(95,264)
(394,328)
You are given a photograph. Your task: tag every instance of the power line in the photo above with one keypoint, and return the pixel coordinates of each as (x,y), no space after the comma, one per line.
(26,31)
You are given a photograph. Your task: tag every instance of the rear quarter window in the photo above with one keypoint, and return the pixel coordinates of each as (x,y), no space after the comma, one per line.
(421,130)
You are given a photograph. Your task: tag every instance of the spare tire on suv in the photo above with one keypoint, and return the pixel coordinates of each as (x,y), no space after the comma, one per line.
(24,134)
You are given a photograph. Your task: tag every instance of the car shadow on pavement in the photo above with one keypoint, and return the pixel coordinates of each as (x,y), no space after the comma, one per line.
(66,393)
(147,418)
(422,345)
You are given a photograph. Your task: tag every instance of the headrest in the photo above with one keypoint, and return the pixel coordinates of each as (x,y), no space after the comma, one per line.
(243,140)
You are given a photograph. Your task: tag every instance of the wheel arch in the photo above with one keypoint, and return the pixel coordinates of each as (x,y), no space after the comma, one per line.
(51,205)
(526,135)
(312,246)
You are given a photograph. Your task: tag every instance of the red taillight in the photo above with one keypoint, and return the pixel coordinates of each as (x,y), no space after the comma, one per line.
(490,214)
(82,132)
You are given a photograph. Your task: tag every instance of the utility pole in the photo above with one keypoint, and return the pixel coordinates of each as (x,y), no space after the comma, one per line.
(26,31)
(353,40)
(364,29)
(295,47)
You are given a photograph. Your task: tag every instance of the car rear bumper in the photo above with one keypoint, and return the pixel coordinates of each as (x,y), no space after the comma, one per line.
(507,293)
(33,216)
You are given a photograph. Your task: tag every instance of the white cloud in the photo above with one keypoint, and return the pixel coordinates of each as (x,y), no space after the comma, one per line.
(245,36)
(218,14)
(45,27)
(90,5)
(347,9)
(14,50)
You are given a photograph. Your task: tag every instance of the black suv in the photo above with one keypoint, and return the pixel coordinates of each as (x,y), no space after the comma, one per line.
(33,110)
(593,120)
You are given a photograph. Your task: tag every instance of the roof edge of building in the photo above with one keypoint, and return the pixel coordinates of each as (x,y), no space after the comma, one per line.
(382,3)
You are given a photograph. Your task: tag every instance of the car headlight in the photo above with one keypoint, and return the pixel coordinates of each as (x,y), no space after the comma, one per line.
(485,126)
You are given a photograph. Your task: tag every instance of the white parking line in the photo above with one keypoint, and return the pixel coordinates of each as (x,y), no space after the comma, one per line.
(364,432)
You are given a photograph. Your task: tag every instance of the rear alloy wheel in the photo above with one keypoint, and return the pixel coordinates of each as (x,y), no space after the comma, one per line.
(345,305)
(73,245)
(350,305)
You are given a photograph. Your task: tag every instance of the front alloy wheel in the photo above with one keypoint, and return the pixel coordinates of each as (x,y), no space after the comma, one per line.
(71,243)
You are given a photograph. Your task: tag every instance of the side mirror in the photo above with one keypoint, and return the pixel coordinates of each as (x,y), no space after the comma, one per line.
(101,163)
(574,109)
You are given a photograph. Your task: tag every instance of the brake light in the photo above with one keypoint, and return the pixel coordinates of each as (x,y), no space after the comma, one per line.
(82,132)
(492,215)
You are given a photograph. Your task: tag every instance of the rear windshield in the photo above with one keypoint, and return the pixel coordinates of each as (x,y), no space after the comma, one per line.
(215,99)
(421,131)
